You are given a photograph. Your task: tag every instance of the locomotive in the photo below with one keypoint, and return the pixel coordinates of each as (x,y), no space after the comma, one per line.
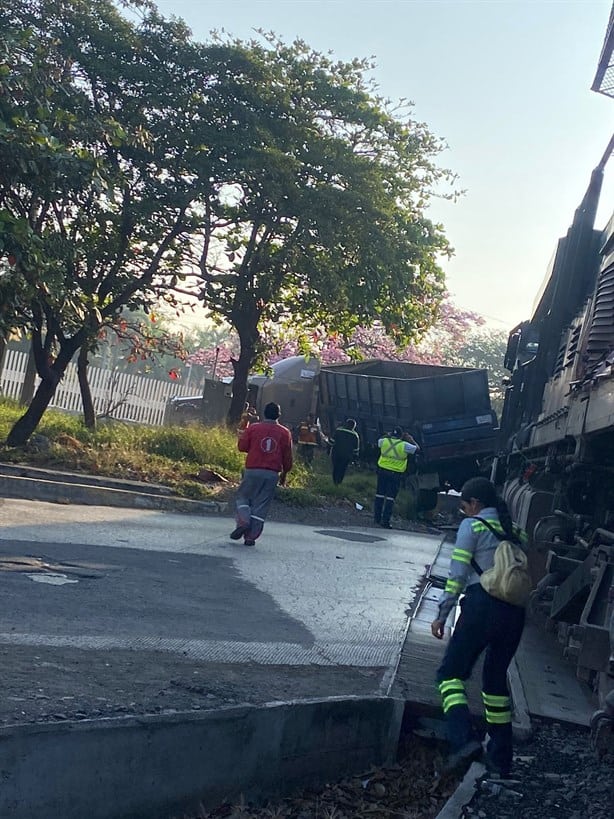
(556,451)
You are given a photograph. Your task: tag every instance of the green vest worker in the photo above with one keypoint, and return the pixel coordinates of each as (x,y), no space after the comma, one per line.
(394,451)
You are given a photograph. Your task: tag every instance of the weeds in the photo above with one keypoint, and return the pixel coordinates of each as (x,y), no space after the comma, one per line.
(172,456)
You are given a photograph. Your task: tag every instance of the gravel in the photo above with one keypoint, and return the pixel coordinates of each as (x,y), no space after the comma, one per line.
(555,776)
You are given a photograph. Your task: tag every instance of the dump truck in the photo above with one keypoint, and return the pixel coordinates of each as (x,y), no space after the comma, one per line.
(446,409)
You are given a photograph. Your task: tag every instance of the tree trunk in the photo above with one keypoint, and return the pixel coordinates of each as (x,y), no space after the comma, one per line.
(28,422)
(89,413)
(241,367)
(249,338)
(51,373)
(27,388)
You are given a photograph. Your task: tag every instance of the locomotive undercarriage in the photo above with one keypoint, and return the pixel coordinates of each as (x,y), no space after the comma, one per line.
(562,493)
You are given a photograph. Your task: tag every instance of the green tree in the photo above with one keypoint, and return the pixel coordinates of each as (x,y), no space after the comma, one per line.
(485,349)
(319,212)
(101,153)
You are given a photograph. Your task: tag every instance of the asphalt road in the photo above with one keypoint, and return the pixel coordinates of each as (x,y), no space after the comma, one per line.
(107,610)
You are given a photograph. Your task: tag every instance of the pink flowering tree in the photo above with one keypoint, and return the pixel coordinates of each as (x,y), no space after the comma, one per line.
(216,361)
(441,345)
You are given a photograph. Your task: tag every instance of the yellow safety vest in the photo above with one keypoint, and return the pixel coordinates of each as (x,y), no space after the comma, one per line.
(393,455)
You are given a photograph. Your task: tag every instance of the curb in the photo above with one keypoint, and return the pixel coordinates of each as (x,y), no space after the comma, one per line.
(521,721)
(85,479)
(153,767)
(39,489)
(463,794)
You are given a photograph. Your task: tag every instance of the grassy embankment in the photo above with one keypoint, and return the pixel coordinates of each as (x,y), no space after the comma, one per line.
(173,456)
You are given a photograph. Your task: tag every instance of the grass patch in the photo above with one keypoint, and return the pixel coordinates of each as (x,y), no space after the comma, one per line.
(173,456)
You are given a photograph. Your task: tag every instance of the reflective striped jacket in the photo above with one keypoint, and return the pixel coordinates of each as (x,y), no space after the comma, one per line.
(474,540)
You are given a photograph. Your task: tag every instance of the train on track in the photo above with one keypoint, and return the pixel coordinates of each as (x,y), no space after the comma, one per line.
(556,460)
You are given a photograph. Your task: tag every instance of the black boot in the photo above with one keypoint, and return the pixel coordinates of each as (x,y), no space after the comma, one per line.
(378,505)
(387,513)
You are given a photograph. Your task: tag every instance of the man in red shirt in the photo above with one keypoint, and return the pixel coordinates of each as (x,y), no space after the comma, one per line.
(269,459)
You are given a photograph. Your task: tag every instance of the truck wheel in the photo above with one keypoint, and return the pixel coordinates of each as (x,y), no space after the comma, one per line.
(427,500)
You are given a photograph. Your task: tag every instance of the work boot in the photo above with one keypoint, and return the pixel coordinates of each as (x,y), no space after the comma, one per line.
(493,768)
(238,533)
(457,764)
(378,505)
(387,513)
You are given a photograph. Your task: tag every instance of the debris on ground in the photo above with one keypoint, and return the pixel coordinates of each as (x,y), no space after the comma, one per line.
(410,789)
(555,776)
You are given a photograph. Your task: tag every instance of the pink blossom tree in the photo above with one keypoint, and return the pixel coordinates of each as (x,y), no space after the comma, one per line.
(440,345)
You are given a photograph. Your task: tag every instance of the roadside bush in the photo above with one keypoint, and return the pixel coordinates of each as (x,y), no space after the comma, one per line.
(173,456)
(214,447)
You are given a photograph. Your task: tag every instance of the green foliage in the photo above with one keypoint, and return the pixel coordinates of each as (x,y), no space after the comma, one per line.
(326,186)
(130,154)
(100,162)
(213,447)
(168,455)
(485,349)
(9,411)
(173,456)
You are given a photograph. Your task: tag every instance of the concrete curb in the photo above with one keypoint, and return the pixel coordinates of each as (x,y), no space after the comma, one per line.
(461,797)
(103,481)
(153,767)
(38,489)
(521,721)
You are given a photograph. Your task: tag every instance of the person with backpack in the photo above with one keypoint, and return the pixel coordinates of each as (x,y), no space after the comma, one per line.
(489,564)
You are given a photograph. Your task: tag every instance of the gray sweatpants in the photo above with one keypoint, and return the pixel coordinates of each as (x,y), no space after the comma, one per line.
(254,496)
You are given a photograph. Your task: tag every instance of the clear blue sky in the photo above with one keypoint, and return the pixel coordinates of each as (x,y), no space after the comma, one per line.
(505,83)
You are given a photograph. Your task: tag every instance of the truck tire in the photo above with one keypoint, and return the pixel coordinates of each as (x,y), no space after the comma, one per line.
(427,500)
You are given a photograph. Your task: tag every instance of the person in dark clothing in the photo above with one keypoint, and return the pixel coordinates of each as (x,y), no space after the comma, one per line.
(485,624)
(391,466)
(346,446)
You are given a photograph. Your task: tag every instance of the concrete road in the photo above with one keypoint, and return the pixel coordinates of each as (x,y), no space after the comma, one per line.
(172,588)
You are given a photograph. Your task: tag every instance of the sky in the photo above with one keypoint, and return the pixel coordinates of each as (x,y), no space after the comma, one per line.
(506,84)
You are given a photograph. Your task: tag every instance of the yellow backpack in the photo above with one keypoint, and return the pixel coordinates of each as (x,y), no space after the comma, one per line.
(509,577)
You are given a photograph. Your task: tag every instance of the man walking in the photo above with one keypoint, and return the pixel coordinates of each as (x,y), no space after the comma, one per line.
(346,446)
(269,459)
(394,451)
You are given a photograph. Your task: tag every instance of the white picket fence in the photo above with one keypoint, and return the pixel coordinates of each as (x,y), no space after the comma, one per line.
(131,397)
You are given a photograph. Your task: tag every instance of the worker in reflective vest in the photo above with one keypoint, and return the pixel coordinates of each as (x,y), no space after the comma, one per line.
(394,451)
(486,624)
(309,438)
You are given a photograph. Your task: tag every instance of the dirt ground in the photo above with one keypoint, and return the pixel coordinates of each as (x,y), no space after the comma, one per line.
(55,685)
